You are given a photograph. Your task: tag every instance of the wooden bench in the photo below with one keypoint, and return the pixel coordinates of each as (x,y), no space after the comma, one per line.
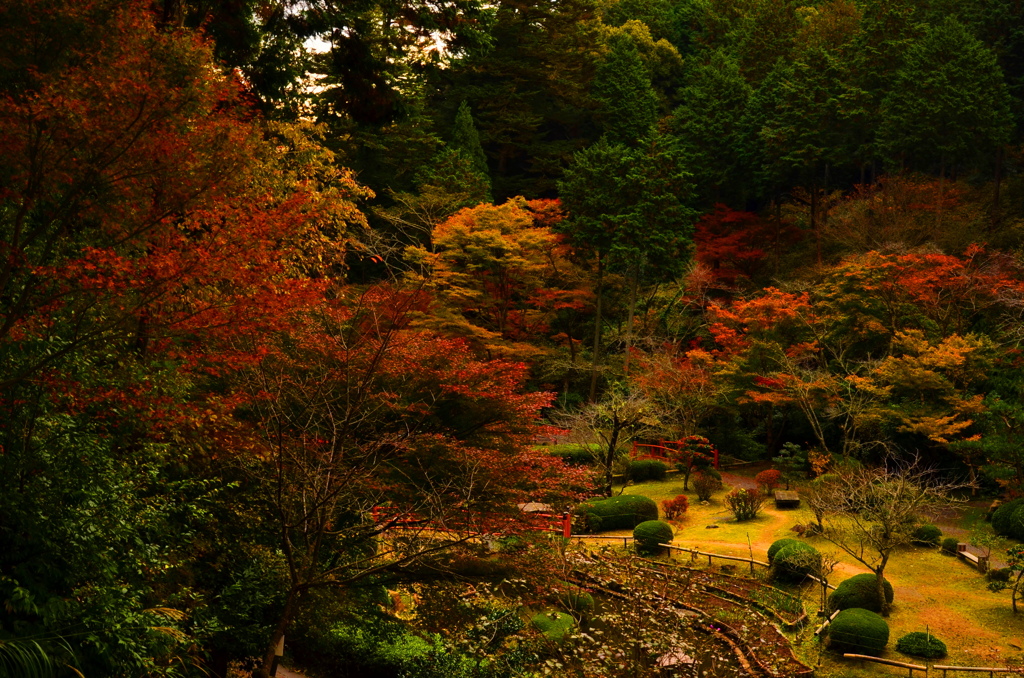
(786,499)
(976,559)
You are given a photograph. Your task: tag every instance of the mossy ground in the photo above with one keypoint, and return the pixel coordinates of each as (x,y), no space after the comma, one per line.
(933,591)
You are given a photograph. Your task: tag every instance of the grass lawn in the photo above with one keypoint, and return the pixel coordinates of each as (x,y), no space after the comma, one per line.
(933,591)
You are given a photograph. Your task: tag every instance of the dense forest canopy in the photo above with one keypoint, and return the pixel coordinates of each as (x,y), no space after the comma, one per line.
(279,275)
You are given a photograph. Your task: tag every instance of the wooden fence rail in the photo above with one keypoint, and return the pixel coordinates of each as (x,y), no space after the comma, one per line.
(889,662)
(580,537)
(694,553)
(991,670)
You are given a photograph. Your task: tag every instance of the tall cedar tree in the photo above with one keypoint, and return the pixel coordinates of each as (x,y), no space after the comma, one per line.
(627,103)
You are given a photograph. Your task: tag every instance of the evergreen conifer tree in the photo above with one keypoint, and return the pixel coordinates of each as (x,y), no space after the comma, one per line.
(627,103)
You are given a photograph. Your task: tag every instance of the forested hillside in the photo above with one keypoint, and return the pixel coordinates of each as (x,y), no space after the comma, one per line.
(279,276)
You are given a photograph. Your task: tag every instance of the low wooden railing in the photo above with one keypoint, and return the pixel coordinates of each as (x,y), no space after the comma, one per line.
(991,670)
(888,662)
(694,553)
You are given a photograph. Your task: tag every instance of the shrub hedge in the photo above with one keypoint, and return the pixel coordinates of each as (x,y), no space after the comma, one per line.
(859,591)
(1008,519)
(924,645)
(617,513)
(575,453)
(949,545)
(648,534)
(858,631)
(793,562)
(927,535)
(780,544)
(579,602)
(553,624)
(646,469)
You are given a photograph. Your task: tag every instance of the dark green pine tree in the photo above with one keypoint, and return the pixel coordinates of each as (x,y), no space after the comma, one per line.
(947,102)
(627,102)
(633,208)
(466,140)
(461,166)
(707,123)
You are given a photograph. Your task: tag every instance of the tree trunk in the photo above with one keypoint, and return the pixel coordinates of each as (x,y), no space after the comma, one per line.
(815,227)
(996,215)
(631,316)
(282,624)
(597,330)
(883,604)
(613,444)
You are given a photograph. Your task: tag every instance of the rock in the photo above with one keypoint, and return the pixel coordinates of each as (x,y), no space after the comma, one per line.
(711,527)
(1016,644)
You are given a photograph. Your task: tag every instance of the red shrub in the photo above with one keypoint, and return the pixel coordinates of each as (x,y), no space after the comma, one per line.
(768,480)
(675,508)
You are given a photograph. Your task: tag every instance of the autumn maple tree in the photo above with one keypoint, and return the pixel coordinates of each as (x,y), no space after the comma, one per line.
(371,425)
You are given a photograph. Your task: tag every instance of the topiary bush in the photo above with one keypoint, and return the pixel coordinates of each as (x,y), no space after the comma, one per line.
(647,535)
(924,645)
(553,624)
(949,545)
(926,535)
(1008,519)
(858,631)
(780,544)
(579,602)
(793,562)
(646,469)
(675,508)
(617,513)
(859,591)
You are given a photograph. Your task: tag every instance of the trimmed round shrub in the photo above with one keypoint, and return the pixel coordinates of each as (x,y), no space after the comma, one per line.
(675,508)
(711,471)
(924,645)
(618,513)
(646,469)
(579,602)
(949,545)
(778,545)
(793,562)
(927,535)
(858,631)
(647,535)
(1008,519)
(859,591)
(553,624)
